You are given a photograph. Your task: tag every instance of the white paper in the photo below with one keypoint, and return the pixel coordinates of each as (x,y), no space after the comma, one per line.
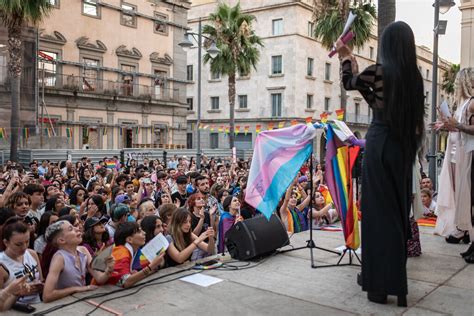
(201,279)
(154,246)
(342,131)
(350,20)
(340,249)
(444,109)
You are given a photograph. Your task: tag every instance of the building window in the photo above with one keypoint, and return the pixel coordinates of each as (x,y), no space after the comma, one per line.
(327,104)
(214,140)
(309,67)
(242,101)
(214,103)
(310,29)
(427,74)
(54,3)
(189,73)
(309,101)
(327,71)
(215,75)
(190,102)
(277,27)
(159,83)
(127,79)
(357,111)
(371,52)
(128,15)
(277,65)
(160,25)
(276,104)
(48,62)
(90,74)
(91,8)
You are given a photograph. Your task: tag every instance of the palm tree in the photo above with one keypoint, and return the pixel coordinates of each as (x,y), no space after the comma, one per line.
(449,77)
(239,49)
(386,14)
(15,15)
(329,18)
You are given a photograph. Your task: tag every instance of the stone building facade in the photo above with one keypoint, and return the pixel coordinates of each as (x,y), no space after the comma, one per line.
(112,73)
(294,79)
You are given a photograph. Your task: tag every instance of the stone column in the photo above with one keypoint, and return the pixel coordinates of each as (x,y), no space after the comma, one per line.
(467,33)
(110,130)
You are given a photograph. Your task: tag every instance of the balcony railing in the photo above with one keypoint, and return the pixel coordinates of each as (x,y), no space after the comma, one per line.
(58,81)
(359,119)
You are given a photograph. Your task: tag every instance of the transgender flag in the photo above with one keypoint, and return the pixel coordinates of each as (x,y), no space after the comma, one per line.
(278,156)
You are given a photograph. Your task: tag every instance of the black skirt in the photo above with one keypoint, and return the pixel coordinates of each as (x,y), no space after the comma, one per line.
(385,206)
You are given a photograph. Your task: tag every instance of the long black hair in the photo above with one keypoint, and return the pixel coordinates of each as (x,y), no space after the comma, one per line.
(402,87)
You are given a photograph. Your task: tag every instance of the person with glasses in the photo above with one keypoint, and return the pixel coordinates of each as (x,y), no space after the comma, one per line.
(18,261)
(70,263)
(130,265)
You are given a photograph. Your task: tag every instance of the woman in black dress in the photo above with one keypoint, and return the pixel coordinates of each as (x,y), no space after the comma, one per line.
(393,88)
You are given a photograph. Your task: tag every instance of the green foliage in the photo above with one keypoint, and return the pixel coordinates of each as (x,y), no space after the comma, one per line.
(449,77)
(234,36)
(14,13)
(330,20)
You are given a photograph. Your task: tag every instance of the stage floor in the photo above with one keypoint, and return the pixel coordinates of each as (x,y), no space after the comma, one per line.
(440,283)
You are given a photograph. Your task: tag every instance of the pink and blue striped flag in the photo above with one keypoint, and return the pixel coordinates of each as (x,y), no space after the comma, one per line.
(340,160)
(278,156)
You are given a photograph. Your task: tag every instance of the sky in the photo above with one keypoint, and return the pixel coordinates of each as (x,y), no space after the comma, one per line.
(419,14)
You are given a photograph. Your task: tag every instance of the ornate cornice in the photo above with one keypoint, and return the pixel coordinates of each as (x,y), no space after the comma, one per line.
(83,43)
(166,60)
(124,52)
(56,38)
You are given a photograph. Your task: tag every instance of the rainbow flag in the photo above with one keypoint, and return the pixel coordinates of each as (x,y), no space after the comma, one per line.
(324,117)
(221,129)
(246,129)
(278,156)
(68,132)
(281,124)
(213,127)
(237,130)
(294,122)
(340,114)
(270,126)
(26,133)
(2,133)
(258,128)
(227,129)
(309,120)
(339,162)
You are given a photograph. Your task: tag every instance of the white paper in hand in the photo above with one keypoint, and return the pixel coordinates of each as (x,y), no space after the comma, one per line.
(444,109)
(341,130)
(155,246)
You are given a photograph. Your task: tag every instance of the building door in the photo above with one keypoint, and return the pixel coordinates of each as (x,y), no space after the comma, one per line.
(127,138)
(159,83)
(189,140)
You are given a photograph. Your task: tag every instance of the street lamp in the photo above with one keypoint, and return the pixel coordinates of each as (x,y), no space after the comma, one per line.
(440,6)
(213,51)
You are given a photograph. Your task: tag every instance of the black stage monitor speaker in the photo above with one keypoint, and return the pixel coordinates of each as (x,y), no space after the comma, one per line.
(256,237)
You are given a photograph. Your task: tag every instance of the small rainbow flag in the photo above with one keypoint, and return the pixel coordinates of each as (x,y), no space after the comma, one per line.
(110,164)
(205,126)
(200,126)
(237,130)
(104,131)
(258,128)
(294,122)
(227,129)
(137,130)
(68,132)
(270,126)
(308,120)
(26,133)
(221,129)
(2,133)
(246,129)
(281,124)
(324,117)
(213,128)
(340,114)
